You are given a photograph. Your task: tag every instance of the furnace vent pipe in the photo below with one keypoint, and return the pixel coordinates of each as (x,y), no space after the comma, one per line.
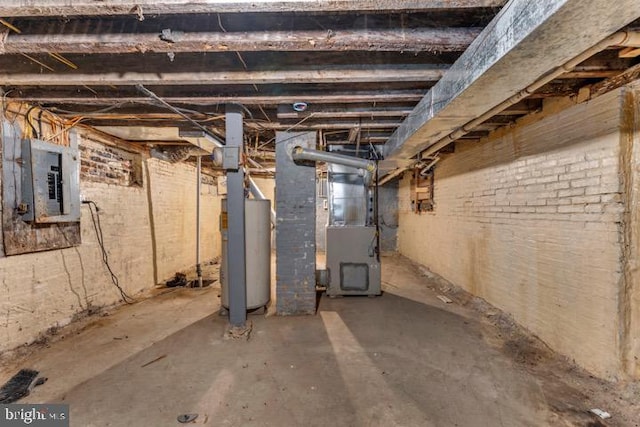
(300,153)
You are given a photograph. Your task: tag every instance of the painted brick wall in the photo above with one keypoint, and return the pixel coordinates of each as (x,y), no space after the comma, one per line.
(295,231)
(109,165)
(47,289)
(530,222)
(173,201)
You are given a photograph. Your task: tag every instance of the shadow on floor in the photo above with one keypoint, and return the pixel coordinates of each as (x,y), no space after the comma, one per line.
(359,361)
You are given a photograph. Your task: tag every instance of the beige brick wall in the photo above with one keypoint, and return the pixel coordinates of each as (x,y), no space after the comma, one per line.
(173,202)
(530,222)
(47,289)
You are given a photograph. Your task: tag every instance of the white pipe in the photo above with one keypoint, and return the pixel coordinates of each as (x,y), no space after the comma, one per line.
(259,195)
(621,38)
(198,186)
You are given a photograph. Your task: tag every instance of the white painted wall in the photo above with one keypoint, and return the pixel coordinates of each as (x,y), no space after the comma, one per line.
(47,289)
(530,221)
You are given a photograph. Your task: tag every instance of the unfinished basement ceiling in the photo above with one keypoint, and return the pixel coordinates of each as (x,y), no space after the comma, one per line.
(361,67)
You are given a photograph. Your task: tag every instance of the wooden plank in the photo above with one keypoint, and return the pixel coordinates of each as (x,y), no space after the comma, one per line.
(525,41)
(600,88)
(328,98)
(319,112)
(412,40)
(332,125)
(140,8)
(378,73)
(629,52)
(590,74)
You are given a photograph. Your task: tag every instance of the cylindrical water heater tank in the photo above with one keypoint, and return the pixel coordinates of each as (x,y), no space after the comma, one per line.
(257,224)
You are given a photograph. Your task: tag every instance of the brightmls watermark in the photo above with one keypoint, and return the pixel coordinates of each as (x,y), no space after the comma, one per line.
(36,415)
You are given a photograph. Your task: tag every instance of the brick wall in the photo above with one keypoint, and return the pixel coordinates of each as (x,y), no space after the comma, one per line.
(530,221)
(173,201)
(295,231)
(47,289)
(108,164)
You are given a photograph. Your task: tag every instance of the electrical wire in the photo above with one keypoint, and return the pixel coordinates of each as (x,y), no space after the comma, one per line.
(95,219)
(28,118)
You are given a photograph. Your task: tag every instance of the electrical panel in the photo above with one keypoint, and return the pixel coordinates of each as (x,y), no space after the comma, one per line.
(50,182)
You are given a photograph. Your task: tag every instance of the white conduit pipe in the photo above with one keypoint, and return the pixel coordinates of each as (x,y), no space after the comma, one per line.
(622,38)
(259,195)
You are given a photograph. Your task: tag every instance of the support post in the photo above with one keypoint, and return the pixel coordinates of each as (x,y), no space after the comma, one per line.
(198,228)
(235,205)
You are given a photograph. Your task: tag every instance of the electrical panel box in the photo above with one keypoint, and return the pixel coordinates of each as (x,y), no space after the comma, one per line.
(230,158)
(50,182)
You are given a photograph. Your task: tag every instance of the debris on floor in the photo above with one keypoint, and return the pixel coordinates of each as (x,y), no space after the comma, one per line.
(154,360)
(180,279)
(238,332)
(205,283)
(20,385)
(187,418)
(602,414)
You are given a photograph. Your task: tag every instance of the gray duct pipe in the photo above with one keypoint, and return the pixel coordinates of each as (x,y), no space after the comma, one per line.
(259,195)
(300,153)
(368,166)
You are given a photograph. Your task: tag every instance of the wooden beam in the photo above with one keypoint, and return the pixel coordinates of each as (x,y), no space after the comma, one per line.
(629,52)
(353,135)
(330,97)
(372,73)
(590,74)
(319,112)
(413,40)
(140,8)
(629,75)
(525,41)
(333,125)
(162,134)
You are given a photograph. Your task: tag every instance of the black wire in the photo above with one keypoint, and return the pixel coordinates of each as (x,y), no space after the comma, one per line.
(33,128)
(40,124)
(105,257)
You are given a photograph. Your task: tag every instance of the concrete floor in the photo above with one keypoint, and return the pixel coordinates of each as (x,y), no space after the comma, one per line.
(403,359)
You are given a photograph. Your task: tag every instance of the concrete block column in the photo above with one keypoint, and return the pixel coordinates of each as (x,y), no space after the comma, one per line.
(295,227)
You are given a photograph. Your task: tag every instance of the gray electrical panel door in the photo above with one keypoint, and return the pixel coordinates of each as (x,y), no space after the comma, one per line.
(50,182)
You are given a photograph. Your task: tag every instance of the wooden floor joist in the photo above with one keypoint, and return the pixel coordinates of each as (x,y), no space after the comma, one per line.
(504,60)
(411,40)
(401,73)
(329,97)
(140,8)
